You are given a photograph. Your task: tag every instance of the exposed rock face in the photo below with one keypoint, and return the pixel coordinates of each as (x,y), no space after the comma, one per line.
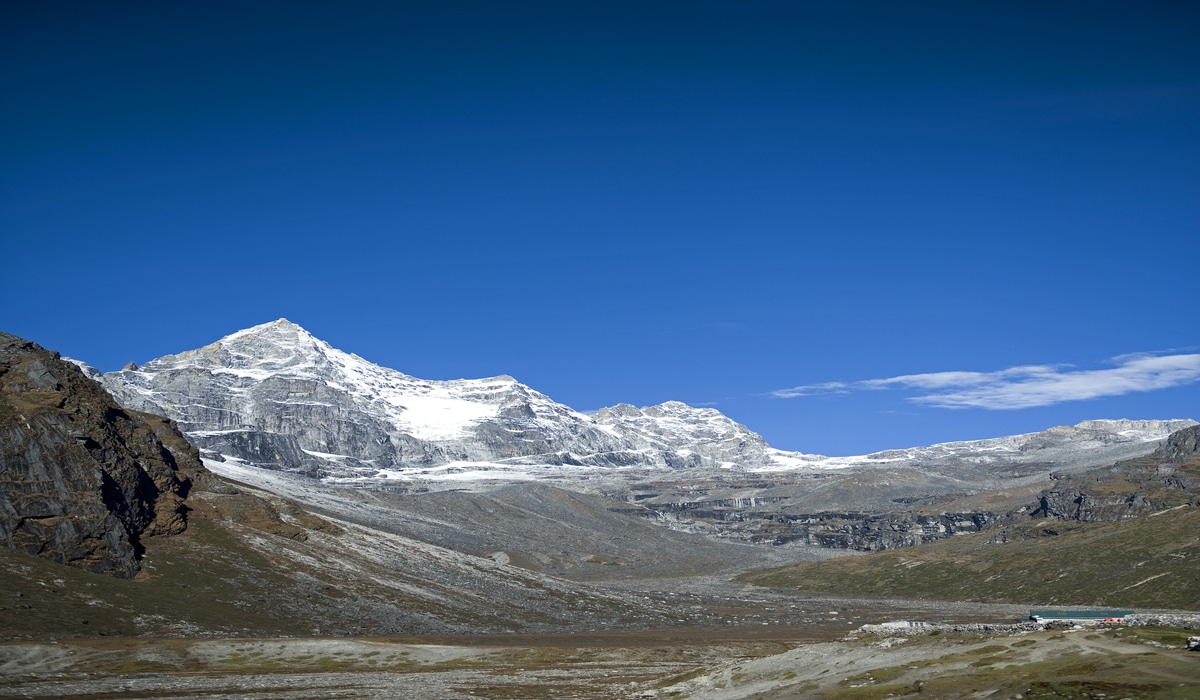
(1167,478)
(81,479)
(1077,505)
(768,521)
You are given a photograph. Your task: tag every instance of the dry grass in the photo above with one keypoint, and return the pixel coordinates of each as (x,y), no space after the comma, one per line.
(1147,562)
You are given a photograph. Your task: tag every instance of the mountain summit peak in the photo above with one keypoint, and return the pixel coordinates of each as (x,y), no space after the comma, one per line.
(278,327)
(278,334)
(259,351)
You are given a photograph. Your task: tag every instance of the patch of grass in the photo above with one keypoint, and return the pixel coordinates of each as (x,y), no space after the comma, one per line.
(604,560)
(1069,674)
(680,678)
(1094,689)
(879,675)
(460,663)
(1169,636)
(327,663)
(872,692)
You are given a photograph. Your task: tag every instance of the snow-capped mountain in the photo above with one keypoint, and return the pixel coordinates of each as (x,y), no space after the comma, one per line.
(274,395)
(1087,435)
(1090,442)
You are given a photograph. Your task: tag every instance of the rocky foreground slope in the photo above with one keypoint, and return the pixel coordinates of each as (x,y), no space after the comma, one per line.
(82,480)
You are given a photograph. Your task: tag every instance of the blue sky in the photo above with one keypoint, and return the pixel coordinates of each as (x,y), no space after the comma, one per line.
(850,226)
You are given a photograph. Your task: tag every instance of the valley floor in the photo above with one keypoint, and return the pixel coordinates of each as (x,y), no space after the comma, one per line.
(820,661)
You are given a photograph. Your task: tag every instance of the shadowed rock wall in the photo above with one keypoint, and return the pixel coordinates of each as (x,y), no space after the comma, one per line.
(81,479)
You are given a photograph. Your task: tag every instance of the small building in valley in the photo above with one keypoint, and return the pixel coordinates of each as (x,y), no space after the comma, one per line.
(1079,616)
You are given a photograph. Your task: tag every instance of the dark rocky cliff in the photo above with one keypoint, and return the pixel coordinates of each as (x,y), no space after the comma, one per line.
(82,480)
(1168,478)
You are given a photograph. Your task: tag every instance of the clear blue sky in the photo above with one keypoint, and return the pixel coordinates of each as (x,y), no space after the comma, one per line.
(803,214)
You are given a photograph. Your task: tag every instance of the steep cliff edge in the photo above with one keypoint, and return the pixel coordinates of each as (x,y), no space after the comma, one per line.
(81,479)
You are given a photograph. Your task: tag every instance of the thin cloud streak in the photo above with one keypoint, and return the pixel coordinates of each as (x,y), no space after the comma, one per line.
(1026,386)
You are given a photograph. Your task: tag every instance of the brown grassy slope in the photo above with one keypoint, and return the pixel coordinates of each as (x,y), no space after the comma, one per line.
(202,581)
(1147,562)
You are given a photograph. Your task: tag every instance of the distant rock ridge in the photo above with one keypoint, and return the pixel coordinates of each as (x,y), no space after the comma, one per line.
(83,480)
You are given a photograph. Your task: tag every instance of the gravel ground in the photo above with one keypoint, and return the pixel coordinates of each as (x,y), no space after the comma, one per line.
(316,668)
(813,670)
(721,664)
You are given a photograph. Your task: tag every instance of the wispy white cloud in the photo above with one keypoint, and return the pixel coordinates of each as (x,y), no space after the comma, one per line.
(1026,386)
(816,389)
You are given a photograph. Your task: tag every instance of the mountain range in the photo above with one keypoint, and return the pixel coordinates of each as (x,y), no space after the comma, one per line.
(275,407)
(276,397)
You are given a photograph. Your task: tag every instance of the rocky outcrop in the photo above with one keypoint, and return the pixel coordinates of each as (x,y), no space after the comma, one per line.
(1071,504)
(1181,445)
(82,480)
(874,532)
(864,532)
(1167,478)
